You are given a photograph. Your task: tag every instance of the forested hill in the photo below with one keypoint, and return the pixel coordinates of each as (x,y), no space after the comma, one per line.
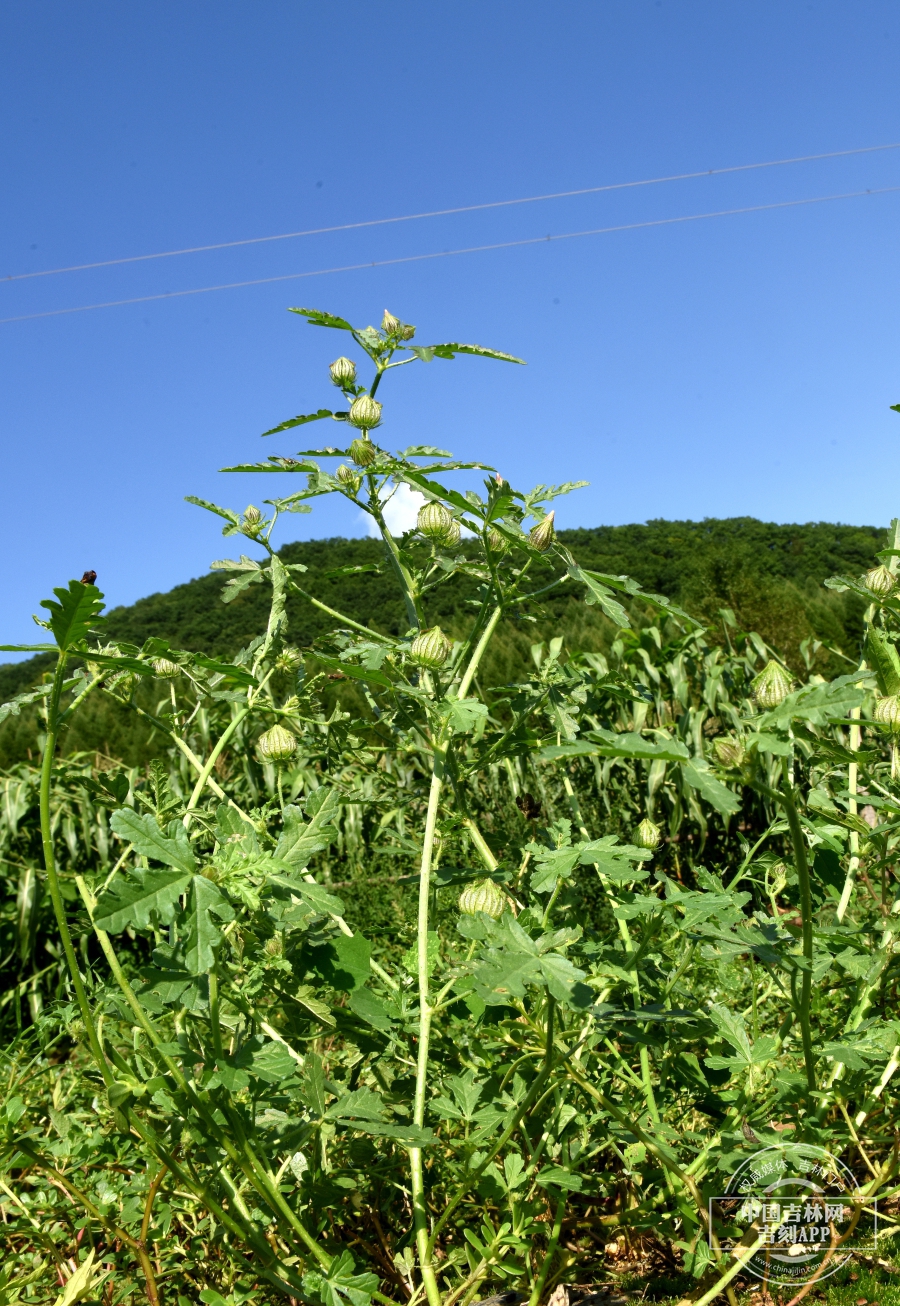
(770,575)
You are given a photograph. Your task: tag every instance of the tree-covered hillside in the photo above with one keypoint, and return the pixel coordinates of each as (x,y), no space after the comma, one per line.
(769,575)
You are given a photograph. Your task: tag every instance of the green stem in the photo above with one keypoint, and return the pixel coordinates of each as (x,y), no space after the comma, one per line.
(190,755)
(211,761)
(786,795)
(478,653)
(480,843)
(345,620)
(747,1254)
(414,612)
(538,1289)
(214,1013)
(50,866)
(417,1184)
(852,806)
(79,699)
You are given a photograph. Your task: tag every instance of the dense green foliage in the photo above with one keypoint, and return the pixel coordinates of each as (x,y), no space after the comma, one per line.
(770,576)
(417,966)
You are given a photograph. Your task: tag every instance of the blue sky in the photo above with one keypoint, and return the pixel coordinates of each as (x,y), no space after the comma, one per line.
(744,364)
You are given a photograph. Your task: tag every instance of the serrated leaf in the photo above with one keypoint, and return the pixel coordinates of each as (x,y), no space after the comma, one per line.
(609,743)
(237,584)
(238,675)
(699,777)
(882,657)
(300,839)
(138,898)
(362,1102)
(231,517)
(273,1063)
(171,848)
(28,648)
(340,1284)
(558,1177)
(370,1008)
(74,612)
(765,743)
(300,421)
(354,672)
(203,935)
(464,715)
(319,899)
(601,595)
(817,704)
(448,351)
(313,1092)
(552,865)
(15,705)
(315,317)
(731,1027)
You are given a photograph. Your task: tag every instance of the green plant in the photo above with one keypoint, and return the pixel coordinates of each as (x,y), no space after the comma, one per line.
(412,1111)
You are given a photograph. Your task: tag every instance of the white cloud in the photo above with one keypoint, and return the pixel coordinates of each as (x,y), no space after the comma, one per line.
(400,512)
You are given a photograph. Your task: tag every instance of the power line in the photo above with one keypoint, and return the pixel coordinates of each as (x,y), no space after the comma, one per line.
(442,213)
(449,253)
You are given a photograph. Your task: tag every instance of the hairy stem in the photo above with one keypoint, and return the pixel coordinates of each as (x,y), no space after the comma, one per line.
(802,863)
(852,806)
(417,1181)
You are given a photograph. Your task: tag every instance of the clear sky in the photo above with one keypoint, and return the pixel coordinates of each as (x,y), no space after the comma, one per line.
(741,365)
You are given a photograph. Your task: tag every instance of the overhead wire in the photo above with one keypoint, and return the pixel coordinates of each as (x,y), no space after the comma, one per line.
(449,253)
(441,213)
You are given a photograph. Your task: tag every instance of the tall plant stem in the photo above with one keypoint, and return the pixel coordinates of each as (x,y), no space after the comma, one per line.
(552,1245)
(478,652)
(786,795)
(424,1244)
(852,806)
(50,867)
(417,1179)
(210,762)
(411,597)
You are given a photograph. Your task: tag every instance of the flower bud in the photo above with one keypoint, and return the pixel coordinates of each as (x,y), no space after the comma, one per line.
(433,521)
(343,371)
(290,659)
(778,878)
(771,686)
(542,535)
(347,476)
(880,581)
(647,835)
(165,669)
(438,525)
(363,452)
(277,744)
(497,542)
(365,413)
(252,520)
(431,648)
(484,895)
(729,751)
(390,325)
(452,536)
(887,713)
